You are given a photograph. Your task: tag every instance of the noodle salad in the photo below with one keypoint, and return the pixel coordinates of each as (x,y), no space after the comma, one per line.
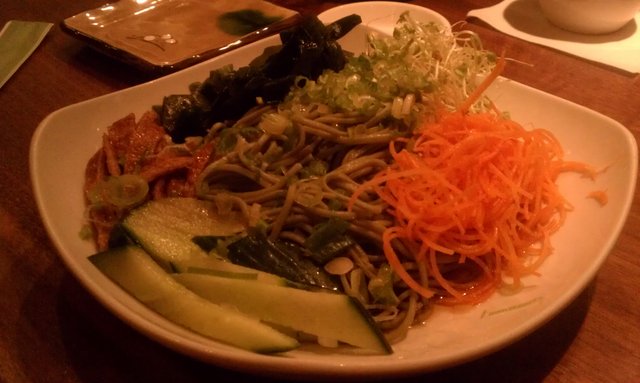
(394,175)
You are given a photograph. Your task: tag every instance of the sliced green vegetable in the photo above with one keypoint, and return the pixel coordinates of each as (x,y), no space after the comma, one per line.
(381,286)
(220,267)
(138,274)
(127,190)
(328,240)
(325,314)
(256,251)
(274,123)
(123,191)
(165,228)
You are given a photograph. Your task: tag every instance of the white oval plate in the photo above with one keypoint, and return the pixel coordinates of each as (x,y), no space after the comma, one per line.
(66,139)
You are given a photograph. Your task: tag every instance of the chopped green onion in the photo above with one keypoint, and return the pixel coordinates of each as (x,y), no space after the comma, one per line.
(328,240)
(274,124)
(250,133)
(86,233)
(126,190)
(381,286)
(315,168)
(227,142)
(423,59)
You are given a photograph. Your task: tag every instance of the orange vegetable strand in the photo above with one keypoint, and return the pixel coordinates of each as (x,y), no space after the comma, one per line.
(476,187)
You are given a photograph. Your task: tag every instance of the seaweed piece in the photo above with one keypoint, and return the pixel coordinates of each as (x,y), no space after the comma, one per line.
(307,50)
(341,27)
(206,242)
(118,237)
(181,116)
(256,251)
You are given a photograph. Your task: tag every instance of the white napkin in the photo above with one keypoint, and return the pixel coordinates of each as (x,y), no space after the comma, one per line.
(18,39)
(524,19)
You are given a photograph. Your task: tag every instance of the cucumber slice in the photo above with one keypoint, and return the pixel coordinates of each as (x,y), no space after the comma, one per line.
(218,267)
(165,228)
(135,271)
(325,314)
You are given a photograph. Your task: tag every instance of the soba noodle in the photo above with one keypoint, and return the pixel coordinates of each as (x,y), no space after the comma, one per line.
(292,166)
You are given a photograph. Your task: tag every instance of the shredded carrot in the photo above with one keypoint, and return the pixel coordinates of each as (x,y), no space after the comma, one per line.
(600,196)
(473,190)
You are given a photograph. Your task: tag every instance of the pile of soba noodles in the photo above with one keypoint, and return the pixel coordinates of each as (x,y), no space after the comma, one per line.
(291,168)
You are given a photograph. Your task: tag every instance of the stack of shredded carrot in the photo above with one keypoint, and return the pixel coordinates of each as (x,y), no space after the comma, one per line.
(478,188)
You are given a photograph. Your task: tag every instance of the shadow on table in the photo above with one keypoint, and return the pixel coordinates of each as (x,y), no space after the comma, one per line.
(526,16)
(106,68)
(101,348)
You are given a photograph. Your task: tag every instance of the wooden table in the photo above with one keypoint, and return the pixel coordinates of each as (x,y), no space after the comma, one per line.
(52,330)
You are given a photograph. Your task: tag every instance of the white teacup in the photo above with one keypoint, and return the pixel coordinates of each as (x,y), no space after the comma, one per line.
(590,16)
